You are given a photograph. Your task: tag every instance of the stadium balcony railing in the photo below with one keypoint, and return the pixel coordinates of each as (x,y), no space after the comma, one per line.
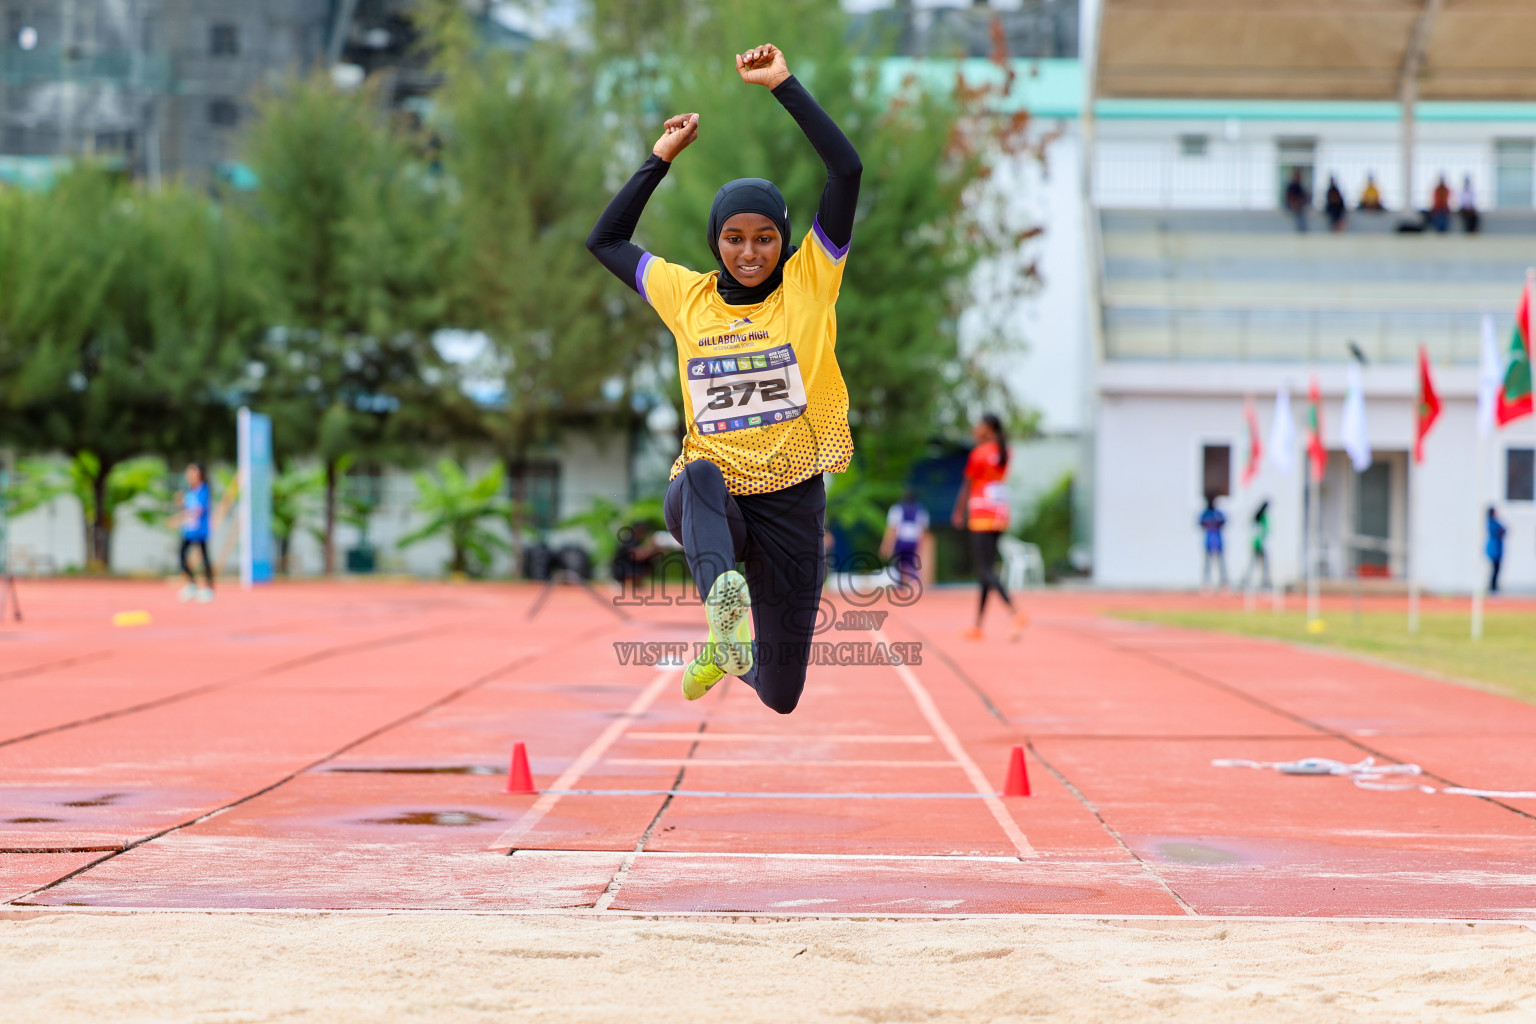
(1245,285)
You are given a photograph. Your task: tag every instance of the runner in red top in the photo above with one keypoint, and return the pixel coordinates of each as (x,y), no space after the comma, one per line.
(982,507)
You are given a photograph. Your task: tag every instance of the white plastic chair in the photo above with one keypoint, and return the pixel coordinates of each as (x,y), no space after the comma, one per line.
(1021,562)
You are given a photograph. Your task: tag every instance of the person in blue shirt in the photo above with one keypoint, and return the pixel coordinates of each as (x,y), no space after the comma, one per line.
(1495,547)
(1212,522)
(195,502)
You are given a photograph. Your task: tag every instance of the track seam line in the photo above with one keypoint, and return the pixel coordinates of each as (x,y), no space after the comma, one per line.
(1062,778)
(1275,709)
(924,701)
(605,901)
(49,666)
(324,654)
(1113,833)
(507,841)
(453,695)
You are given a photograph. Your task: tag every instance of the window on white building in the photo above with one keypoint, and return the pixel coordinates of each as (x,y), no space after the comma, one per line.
(1520,474)
(224,40)
(1194,145)
(1217,470)
(1514,173)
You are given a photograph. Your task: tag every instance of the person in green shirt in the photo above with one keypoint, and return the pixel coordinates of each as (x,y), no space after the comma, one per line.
(1259,557)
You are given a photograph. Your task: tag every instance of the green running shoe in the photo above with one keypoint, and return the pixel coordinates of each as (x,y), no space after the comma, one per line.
(701,674)
(729,610)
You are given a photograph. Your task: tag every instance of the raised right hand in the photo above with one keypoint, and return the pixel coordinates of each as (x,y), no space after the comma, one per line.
(678,133)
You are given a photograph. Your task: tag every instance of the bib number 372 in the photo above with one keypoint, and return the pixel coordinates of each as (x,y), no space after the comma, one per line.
(754,389)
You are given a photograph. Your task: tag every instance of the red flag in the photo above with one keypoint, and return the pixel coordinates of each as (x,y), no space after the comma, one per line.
(1317,455)
(1255,446)
(1428,406)
(1515,392)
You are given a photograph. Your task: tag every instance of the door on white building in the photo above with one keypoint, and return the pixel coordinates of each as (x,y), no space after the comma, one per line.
(1363,524)
(1373,521)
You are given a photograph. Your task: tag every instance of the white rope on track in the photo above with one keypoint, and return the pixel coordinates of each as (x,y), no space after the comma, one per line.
(1367,774)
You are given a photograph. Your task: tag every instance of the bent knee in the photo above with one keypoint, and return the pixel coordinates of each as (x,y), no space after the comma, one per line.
(782,705)
(702,471)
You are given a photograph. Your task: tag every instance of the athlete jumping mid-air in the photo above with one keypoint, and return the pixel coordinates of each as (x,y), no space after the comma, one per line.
(767,410)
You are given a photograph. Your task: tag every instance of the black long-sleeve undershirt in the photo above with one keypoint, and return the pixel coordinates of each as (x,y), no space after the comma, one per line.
(610,238)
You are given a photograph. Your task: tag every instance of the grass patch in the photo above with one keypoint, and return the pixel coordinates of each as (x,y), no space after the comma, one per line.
(1504,659)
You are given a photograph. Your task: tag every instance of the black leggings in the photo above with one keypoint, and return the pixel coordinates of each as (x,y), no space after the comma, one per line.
(780,536)
(187,544)
(984,554)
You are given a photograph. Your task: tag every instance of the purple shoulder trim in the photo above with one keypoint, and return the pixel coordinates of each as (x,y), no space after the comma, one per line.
(826,243)
(645,261)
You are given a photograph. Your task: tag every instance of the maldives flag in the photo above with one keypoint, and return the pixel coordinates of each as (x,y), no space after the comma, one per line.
(1317,455)
(1255,446)
(1514,398)
(1428,406)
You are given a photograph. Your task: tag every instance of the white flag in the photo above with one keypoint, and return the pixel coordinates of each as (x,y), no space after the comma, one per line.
(1490,378)
(1282,434)
(1352,431)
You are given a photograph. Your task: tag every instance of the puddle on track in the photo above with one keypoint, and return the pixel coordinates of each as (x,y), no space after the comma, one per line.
(432,818)
(105,800)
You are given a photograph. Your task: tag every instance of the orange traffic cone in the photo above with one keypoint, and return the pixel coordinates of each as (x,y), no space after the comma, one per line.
(1018,775)
(519,779)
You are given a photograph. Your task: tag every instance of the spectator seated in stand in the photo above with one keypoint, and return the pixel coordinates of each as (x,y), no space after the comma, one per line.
(1298,200)
(1370,197)
(1440,207)
(1466,207)
(1334,205)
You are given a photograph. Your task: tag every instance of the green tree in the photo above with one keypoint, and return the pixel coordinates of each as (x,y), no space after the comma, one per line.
(103,496)
(347,251)
(294,491)
(524,148)
(121,329)
(1049,527)
(456,508)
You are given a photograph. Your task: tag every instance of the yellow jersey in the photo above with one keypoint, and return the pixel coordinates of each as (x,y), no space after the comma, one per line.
(762,392)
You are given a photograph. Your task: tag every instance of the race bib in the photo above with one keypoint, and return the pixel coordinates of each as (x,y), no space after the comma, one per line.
(753,389)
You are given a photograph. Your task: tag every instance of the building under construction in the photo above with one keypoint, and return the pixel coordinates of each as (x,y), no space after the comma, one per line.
(163,86)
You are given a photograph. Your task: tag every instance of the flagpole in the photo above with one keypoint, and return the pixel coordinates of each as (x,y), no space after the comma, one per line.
(1484,427)
(1413,549)
(1314,514)
(1479,491)
(1410,550)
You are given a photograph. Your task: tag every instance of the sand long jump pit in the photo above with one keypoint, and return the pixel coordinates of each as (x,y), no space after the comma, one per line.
(429,967)
(294,804)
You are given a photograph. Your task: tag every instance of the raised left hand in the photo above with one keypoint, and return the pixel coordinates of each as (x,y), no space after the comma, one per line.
(763,65)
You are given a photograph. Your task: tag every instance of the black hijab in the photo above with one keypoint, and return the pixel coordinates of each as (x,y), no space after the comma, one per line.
(749,195)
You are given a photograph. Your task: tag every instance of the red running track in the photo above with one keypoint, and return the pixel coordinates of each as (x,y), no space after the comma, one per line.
(345,746)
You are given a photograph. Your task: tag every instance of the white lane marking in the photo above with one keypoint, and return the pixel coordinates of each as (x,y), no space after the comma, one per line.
(924,701)
(598,747)
(752,737)
(780,762)
(989,858)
